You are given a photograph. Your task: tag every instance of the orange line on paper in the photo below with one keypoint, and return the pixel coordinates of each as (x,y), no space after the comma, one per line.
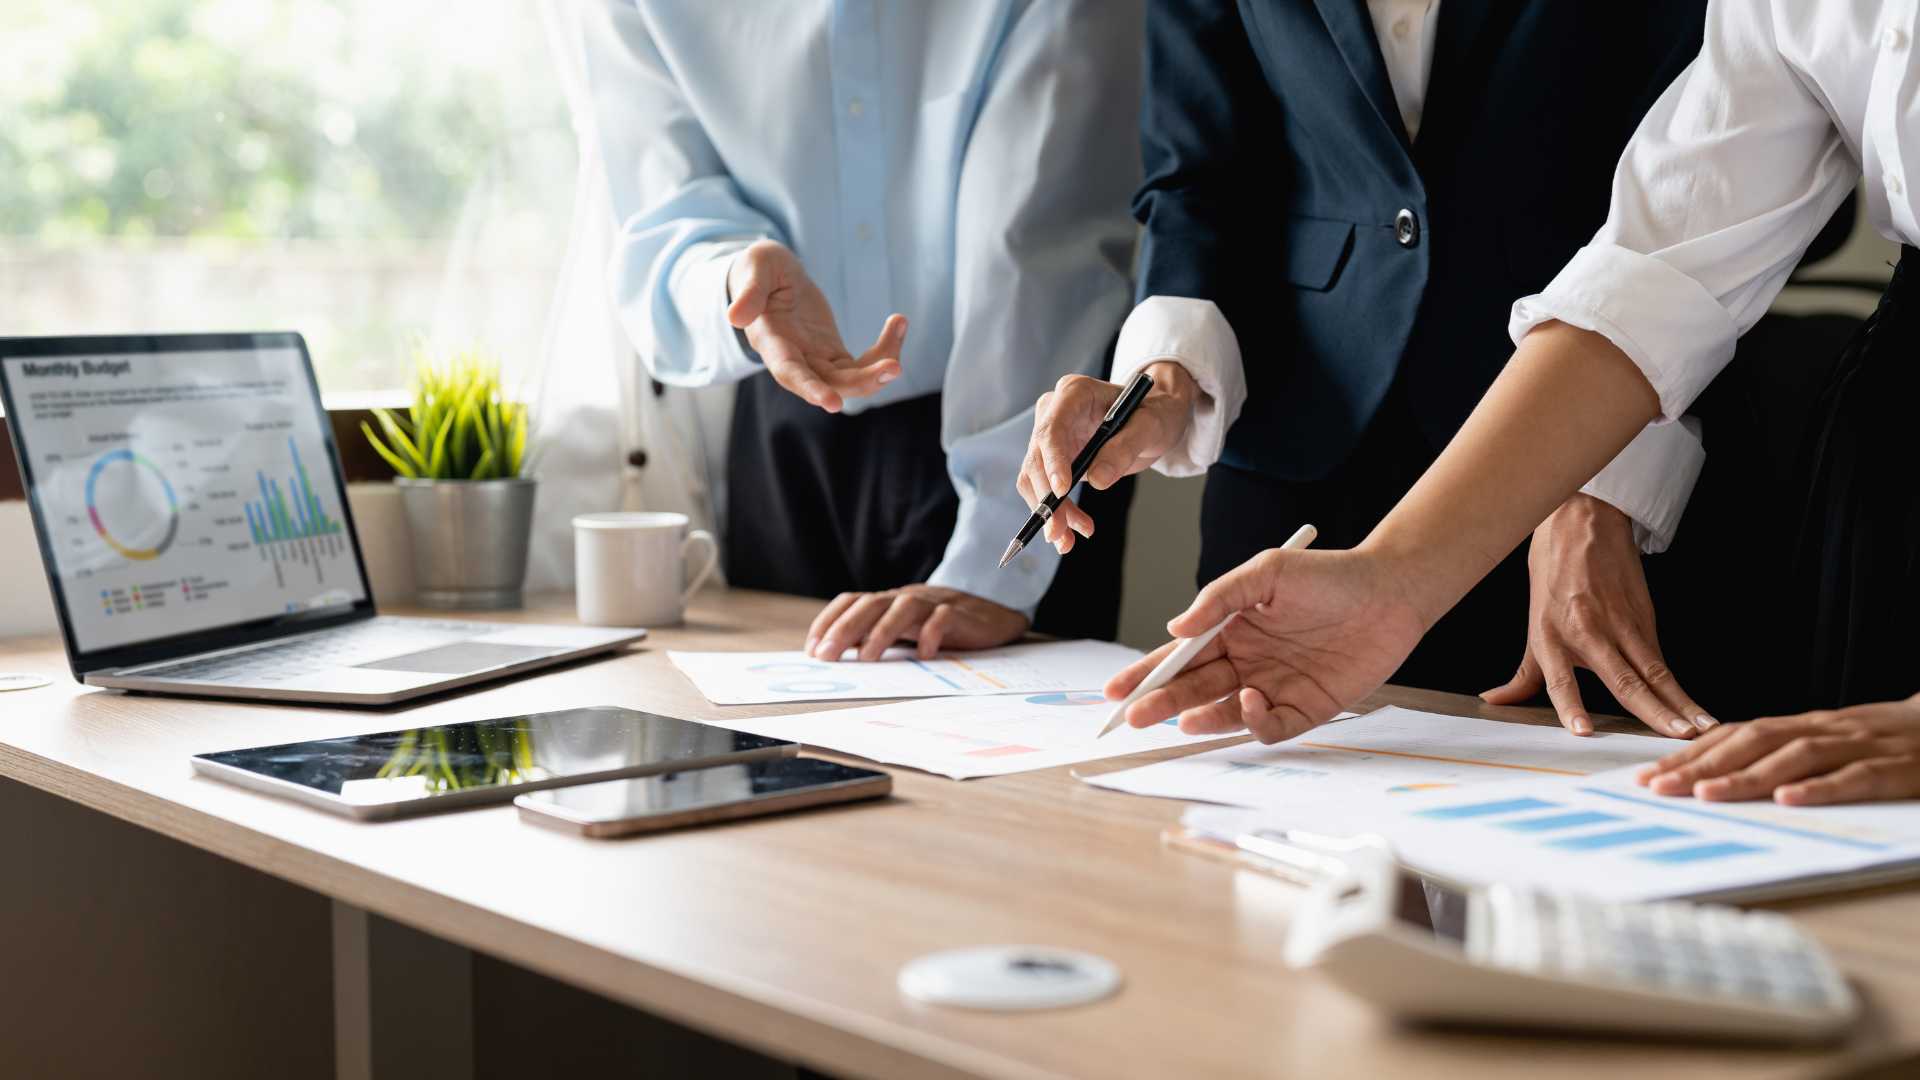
(981,675)
(1445,760)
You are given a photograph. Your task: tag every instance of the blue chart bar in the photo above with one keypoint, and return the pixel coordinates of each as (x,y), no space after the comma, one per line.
(1700,852)
(1679,806)
(1618,837)
(1474,810)
(1560,821)
(290,513)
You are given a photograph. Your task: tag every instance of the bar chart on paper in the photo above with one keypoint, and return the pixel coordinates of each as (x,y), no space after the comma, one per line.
(969,737)
(1606,836)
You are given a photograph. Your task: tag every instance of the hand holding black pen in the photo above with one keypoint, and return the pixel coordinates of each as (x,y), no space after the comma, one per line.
(1117,416)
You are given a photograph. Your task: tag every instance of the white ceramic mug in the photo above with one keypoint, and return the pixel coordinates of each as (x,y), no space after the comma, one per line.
(630,569)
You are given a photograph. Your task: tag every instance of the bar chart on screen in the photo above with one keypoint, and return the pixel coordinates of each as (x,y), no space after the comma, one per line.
(290,526)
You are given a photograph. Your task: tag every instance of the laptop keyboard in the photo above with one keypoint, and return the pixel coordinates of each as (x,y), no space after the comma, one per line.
(342,646)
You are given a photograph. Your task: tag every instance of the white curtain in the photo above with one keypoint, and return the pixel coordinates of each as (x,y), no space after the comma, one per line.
(594,404)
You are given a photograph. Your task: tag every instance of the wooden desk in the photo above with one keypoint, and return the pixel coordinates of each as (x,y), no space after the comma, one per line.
(785,934)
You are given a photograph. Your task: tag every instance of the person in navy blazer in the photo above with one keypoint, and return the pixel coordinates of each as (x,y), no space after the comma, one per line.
(1342,201)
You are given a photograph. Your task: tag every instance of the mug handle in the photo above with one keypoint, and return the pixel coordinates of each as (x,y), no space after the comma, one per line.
(698,538)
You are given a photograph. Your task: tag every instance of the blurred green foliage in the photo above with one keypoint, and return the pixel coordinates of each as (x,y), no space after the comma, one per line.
(367,120)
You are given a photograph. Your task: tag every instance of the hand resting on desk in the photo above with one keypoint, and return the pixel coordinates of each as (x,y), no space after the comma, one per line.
(1862,753)
(929,615)
(1590,608)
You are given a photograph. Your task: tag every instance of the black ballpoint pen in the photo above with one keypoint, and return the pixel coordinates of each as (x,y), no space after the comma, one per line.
(1123,408)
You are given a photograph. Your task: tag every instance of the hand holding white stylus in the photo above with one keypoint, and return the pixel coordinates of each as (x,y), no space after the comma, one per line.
(1183,654)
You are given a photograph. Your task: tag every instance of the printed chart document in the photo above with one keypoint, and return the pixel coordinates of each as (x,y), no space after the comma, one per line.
(1607,837)
(964,738)
(764,678)
(1389,753)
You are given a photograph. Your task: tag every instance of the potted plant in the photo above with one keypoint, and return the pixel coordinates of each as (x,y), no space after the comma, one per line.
(459,454)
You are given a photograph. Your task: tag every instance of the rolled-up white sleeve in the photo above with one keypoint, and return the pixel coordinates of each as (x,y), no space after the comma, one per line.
(1725,183)
(1194,334)
(1652,479)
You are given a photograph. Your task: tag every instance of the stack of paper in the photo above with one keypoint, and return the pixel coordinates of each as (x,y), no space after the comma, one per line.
(1606,836)
(772,677)
(1384,755)
(974,736)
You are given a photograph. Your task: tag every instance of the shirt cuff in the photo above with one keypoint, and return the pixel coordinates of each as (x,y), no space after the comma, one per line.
(1667,323)
(980,536)
(1194,334)
(1652,479)
(700,290)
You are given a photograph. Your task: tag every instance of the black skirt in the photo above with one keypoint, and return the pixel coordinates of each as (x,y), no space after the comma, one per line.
(821,503)
(1857,550)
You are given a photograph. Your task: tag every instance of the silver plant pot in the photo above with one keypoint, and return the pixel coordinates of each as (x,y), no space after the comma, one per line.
(469,540)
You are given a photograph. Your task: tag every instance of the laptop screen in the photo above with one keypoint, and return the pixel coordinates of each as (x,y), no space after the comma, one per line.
(181,489)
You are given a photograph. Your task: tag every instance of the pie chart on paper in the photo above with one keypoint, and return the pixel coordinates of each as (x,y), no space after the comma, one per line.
(1075,699)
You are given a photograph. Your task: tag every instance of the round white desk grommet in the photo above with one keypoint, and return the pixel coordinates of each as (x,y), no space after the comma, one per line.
(1009,978)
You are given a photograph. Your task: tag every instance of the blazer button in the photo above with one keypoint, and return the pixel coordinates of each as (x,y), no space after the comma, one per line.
(1406,228)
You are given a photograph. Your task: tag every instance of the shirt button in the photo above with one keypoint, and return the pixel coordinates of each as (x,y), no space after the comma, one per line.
(863,232)
(856,107)
(1406,228)
(1896,38)
(1893,185)
(1401,26)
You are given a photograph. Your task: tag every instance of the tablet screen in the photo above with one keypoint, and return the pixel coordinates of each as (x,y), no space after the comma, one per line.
(505,754)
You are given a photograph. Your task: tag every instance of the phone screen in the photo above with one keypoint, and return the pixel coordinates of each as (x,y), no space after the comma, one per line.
(697,789)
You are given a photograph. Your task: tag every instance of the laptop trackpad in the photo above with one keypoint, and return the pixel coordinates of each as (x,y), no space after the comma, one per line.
(461,657)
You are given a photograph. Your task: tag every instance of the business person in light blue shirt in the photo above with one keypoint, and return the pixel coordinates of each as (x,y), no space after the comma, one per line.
(786,170)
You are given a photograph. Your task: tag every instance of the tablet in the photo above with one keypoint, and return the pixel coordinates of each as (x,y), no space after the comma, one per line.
(422,769)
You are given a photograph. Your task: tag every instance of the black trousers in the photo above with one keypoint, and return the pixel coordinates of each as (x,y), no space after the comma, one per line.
(820,504)
(1794,577)
(1475,646)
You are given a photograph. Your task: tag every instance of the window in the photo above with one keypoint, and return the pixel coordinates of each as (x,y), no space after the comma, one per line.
(367,172)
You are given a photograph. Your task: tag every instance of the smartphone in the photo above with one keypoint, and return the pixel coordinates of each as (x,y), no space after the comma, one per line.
(701,796)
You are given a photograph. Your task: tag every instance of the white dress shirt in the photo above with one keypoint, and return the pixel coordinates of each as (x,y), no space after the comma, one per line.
(1194,333)
(968,165)
(1727,181)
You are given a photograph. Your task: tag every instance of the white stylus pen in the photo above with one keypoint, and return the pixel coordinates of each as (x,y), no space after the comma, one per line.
(1183,654)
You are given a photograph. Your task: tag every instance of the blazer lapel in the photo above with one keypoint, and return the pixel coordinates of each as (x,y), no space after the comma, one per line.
(1352,28)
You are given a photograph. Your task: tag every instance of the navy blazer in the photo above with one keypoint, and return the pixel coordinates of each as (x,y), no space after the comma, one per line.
(1281,185)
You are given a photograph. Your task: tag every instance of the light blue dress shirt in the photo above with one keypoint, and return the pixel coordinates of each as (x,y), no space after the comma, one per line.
(967,163)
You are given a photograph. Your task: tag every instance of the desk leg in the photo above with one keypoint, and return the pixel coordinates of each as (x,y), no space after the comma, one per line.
(402,1001)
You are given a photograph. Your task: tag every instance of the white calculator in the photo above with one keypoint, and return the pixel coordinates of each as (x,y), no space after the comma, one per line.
(1511,956)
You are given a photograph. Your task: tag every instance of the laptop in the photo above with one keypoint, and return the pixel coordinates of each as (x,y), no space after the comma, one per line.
(194,526)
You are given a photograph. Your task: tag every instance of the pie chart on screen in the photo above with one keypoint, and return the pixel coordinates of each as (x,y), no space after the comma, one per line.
(131,505)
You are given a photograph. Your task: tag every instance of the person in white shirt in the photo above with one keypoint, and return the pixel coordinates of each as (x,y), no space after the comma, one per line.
(1743,159)
(1342,201)
(782,171)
